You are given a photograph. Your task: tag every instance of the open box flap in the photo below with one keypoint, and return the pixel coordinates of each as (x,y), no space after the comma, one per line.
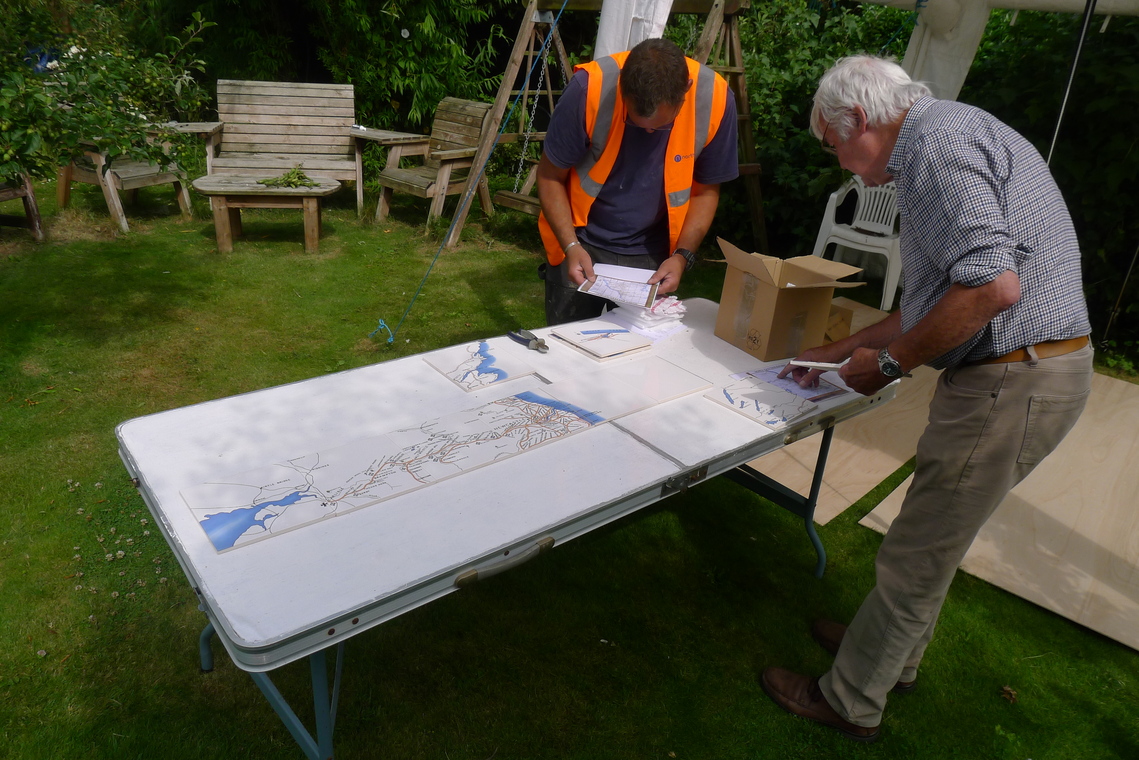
(757,265)
(797,272)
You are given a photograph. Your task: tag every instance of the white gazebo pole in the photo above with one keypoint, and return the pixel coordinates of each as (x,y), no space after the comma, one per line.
(947,34)
(624,23)
(944,42)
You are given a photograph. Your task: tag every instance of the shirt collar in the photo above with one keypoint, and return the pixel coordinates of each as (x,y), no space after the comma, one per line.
(913,116)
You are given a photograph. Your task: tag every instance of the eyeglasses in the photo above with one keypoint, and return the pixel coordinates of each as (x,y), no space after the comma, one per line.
(825,145)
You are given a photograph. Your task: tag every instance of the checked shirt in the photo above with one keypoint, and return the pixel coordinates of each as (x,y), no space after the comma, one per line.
(976,199)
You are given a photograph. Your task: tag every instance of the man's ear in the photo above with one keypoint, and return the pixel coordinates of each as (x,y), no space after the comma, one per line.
(689,87)
(860,125)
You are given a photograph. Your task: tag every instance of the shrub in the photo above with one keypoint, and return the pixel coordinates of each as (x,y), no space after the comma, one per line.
(64,91)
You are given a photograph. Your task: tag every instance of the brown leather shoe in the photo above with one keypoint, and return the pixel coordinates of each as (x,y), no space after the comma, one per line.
(828,634)
(800,695)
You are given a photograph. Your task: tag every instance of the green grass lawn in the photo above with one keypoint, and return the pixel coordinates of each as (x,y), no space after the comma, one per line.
(642,641)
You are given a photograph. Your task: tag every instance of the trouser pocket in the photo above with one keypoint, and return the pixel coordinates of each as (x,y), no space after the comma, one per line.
(1050,418)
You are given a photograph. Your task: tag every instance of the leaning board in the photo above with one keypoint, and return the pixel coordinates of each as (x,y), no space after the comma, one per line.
(1067,538)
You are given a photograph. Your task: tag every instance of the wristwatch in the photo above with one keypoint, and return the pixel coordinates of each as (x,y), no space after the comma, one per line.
(689,257)
(888,365)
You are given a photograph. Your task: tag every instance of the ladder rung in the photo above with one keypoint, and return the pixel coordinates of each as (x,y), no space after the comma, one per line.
(750,169)
(727,69)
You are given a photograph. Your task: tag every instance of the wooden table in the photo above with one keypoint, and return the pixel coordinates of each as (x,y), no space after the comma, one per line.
(229,193)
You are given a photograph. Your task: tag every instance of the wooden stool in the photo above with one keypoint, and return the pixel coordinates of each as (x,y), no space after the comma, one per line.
(229,193)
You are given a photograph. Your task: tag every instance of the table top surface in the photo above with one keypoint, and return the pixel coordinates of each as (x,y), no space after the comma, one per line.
(277,599)
(203,128)
(242,184)
(386,136)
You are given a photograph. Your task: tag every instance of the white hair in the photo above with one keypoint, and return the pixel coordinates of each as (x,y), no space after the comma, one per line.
(879,85)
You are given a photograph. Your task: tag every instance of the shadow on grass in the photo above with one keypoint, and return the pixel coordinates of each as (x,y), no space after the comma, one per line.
(276,226)
(96,291)
(496,285)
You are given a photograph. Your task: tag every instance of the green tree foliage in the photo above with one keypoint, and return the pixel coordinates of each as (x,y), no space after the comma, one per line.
(787,45)
(69,81)
(258,39)
(1020,75)
(404,56)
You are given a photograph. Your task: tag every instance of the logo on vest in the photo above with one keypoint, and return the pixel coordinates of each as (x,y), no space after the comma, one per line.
(678,158)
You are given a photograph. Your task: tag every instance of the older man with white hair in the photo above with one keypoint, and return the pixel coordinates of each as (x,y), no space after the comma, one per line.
(993,296)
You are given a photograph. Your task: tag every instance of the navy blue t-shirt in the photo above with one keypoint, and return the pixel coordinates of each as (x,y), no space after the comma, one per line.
(629,215)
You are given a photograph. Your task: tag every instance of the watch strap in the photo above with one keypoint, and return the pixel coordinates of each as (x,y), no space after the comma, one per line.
(689,257)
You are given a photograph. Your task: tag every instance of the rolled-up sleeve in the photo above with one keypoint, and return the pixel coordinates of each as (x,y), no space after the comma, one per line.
(964,206)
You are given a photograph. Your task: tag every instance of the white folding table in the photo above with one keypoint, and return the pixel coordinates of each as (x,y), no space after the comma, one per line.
(297,594)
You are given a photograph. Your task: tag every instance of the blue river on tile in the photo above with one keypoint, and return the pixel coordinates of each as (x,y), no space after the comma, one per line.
(224,528)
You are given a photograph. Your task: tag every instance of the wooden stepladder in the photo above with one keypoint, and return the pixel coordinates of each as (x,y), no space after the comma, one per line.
(718,47)
(539,84)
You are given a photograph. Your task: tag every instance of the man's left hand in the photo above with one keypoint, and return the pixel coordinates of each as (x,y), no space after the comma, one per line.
(861,373)
(668,274)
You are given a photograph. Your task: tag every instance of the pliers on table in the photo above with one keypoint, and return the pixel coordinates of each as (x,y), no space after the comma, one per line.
(530,340)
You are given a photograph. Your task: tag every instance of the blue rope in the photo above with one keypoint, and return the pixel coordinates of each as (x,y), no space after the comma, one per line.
(382,326)
(918,5)
(472,183)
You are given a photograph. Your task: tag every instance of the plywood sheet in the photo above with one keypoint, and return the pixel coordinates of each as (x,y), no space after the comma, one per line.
(1067,538)
(865,450)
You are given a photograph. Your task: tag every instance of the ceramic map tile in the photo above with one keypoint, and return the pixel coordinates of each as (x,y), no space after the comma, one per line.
(601,339)
(599,394)
(770,375)
(657,378)
(478,364)
(266,501)
(260,503)
(621,291)
(762,402)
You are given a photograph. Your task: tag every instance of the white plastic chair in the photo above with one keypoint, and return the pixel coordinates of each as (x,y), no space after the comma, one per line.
(872,229)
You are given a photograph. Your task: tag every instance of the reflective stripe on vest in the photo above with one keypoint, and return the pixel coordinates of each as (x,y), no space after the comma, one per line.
(605,112)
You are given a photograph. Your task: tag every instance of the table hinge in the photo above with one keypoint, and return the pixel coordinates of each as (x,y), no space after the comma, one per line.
(682,482)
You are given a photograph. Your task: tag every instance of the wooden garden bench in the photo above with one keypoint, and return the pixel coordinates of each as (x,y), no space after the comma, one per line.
(114,177)
(122,175)
(271,127)
(31,219)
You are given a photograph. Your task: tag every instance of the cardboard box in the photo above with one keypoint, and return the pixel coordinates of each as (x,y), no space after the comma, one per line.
(777,308)
(838,324)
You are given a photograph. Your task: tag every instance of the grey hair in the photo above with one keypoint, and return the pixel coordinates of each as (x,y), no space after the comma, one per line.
(879,85)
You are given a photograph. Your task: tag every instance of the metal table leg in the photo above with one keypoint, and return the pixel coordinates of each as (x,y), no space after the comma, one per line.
(783,496)
(324,704)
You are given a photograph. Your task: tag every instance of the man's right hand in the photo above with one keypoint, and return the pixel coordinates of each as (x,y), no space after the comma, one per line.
(809,378)
(579,265)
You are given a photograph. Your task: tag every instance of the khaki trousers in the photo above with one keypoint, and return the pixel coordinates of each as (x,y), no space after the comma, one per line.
(989,426)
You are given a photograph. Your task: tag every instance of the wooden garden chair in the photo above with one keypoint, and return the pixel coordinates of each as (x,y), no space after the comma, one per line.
(448,153)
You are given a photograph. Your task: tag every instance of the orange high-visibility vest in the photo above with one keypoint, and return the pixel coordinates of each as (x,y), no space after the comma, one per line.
(695,126)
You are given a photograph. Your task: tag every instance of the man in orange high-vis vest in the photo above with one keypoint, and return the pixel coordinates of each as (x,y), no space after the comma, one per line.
(631,170)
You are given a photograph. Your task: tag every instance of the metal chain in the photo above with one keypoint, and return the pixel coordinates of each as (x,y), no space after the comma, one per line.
(529,129)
